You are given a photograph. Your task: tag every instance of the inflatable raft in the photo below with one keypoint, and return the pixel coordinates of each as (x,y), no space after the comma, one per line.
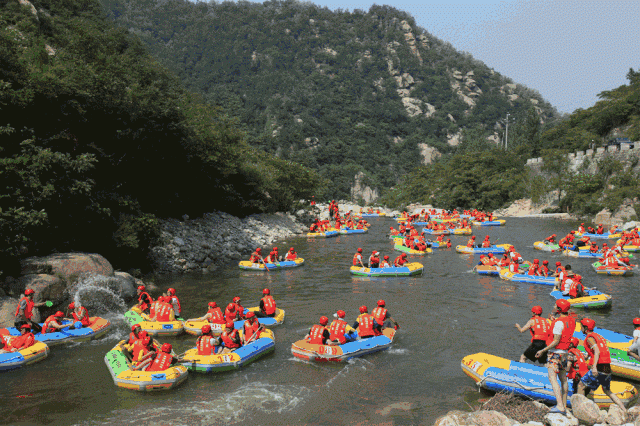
(462,231)
(347,231)
(582,254)
(405,249)
(195,327)
(154,328)
(541,245)
(498,374)
(505,274)
(488,270)
(594,300)
(603,236)
(499,249)
(32,354)
(97,328)
(499,222)
(436,231)
(326,234)
(373,214)
(125,377)
(246,264)
(631,248)
(231,361)
(341,353)
(605,270)
(408,269)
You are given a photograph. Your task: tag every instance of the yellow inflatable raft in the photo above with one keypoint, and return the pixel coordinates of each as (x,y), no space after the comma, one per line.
(195,327)
(34,353)
(154,328)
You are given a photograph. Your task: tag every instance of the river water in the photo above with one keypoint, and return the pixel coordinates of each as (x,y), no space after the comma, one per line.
(445,314)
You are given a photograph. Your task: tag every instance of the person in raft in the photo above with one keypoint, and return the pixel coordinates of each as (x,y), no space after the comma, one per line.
(231,338)
(562,329)
(382,315)
(577,367)
(14,344)
(291,254)
(256,256)
(634,349)
(385,262)
(486,243)
(374,259)
(53,323)
(366,324)
(357,258)
(206,343)
(339,331)
(318,333)
(472,242)
(400,260)
(144,299)
(160,360)
(251,328)
(163,311)
(173,300)
(79,313)
(267,305)
(127,348)
(540,331)
(24,311)
(600,361)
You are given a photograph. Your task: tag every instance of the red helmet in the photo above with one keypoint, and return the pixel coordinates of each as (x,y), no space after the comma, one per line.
(403,255)
(588,323)
(160,299)
(231,307)
(558,263)
(575,342)
(291,249)
(258,250)
(166,347)
(324,320)
(545,262)
(275,249)
(482,256)
(206,329)
(236,299)
(134,326)
(553,235)
(381,302)
(386,258)
(391,227)
(536,261)
(28,292)
(359,250)
(141,287)
(171,291)
(59,314)
(486,237)
(572,232)
(213,304)
(473,237)
(537,310)
(636,321)
(490,255)
(72,305)
(363,309)
(341,314)
(229,324)
(563,305)
(266,291)
(250,314)
(27,326)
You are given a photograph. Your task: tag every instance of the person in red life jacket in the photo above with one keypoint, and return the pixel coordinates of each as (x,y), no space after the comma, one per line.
(562,329)
(385,262)
(514,255)
(593,248)
(278,257)
(252,328)
(374,260)
(357,258)
(339,331)
(491,260)
(540,331)
(160,360)
(591,230)
(584,242)
(448,243)
(313,201)
(173,300)
(559,272)
(24,311)
(144,299)
(256,256)
(54,323)
(164,311)
(231,338)
(514,267)
(577,364)
(483,261)
(382,315)
(566,279)
(400,260)
(505,261)
(214,315)
(634,349)
(272,257)
(314,226)
(393,231)
(319,334)
(544,269)
(472,242)
(534,269)
(267,305)
(408,242)
(366,324)
(581,228)
(141,348)
(79,313)
(206,344)
(230,313)
(600,362)
(551,239)
(239,308)
(135,334)
(23,341)
(576,289)
(486,243)
(291,254)
(600,229)
(440,238)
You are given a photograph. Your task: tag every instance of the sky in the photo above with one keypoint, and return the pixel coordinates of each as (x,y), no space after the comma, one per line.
(567,50)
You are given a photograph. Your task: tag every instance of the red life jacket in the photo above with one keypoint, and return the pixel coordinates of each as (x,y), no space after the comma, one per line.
(139,350)
(573,289)
(144,305)
(23,341)
(155,306)
(567,332)
(250,329)
(471,243)
(337,330)
(365,325)
(356,261)
(164,312)
(28,311)
(230,316)
(227,339)
(380,314)
(544,271)
(316,334)
(605,357)
(291,256)
(269,305)
(161,362)
(216,316)
(239,311)
(45,326)
(204,345)
(580,363)
(540,329)
(533,269)
(83,317)
(132,338)
(399,261)
(374,262)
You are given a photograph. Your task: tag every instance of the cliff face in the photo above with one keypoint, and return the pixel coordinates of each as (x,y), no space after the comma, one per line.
(362,95)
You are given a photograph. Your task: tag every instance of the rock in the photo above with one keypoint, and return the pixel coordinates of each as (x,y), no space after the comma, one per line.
(603,217)
(8,311)
(541,406)
(47,287)
(633,412)
(555,419)
(403,406)
(452,418)
(630,225)
(489,418)
(125,284)
(178,241)
(429,154)
(616,416)
(585,409)
(70,266)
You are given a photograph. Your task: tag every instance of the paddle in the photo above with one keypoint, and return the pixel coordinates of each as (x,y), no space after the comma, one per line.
(48,303)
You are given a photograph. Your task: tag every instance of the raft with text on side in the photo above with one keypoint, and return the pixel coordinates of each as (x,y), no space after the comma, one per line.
(582,254)
(544,246)
(488,269)
(373,214)
(498,374)
(240,357)
(341,353)
(248,265)
(436,231)
(603,236)
(408,269)
(146,381)
(195,327)
(154,328)
(499,222)
(505,274)
(347,231)
(499,249)
(622,271)
(12,360)
(462,231)
(325,234)
(76,333)
(594,300)
(405,249)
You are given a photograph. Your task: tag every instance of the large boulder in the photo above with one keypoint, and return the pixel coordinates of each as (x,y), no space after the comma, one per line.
(489,418)
(70,266)
(47,287)
(125,284)
(555,419)
(616,416)
(585,409)
(7,311)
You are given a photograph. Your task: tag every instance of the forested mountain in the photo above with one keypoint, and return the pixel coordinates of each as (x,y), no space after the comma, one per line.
(362,97)
(97,140)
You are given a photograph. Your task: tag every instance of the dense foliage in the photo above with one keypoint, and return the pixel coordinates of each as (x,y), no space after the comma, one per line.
(98,140)
(326,89)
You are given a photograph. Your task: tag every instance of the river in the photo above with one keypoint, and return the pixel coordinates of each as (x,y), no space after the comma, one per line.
(445,314)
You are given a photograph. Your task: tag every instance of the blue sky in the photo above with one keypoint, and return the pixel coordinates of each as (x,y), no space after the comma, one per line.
(567,50)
